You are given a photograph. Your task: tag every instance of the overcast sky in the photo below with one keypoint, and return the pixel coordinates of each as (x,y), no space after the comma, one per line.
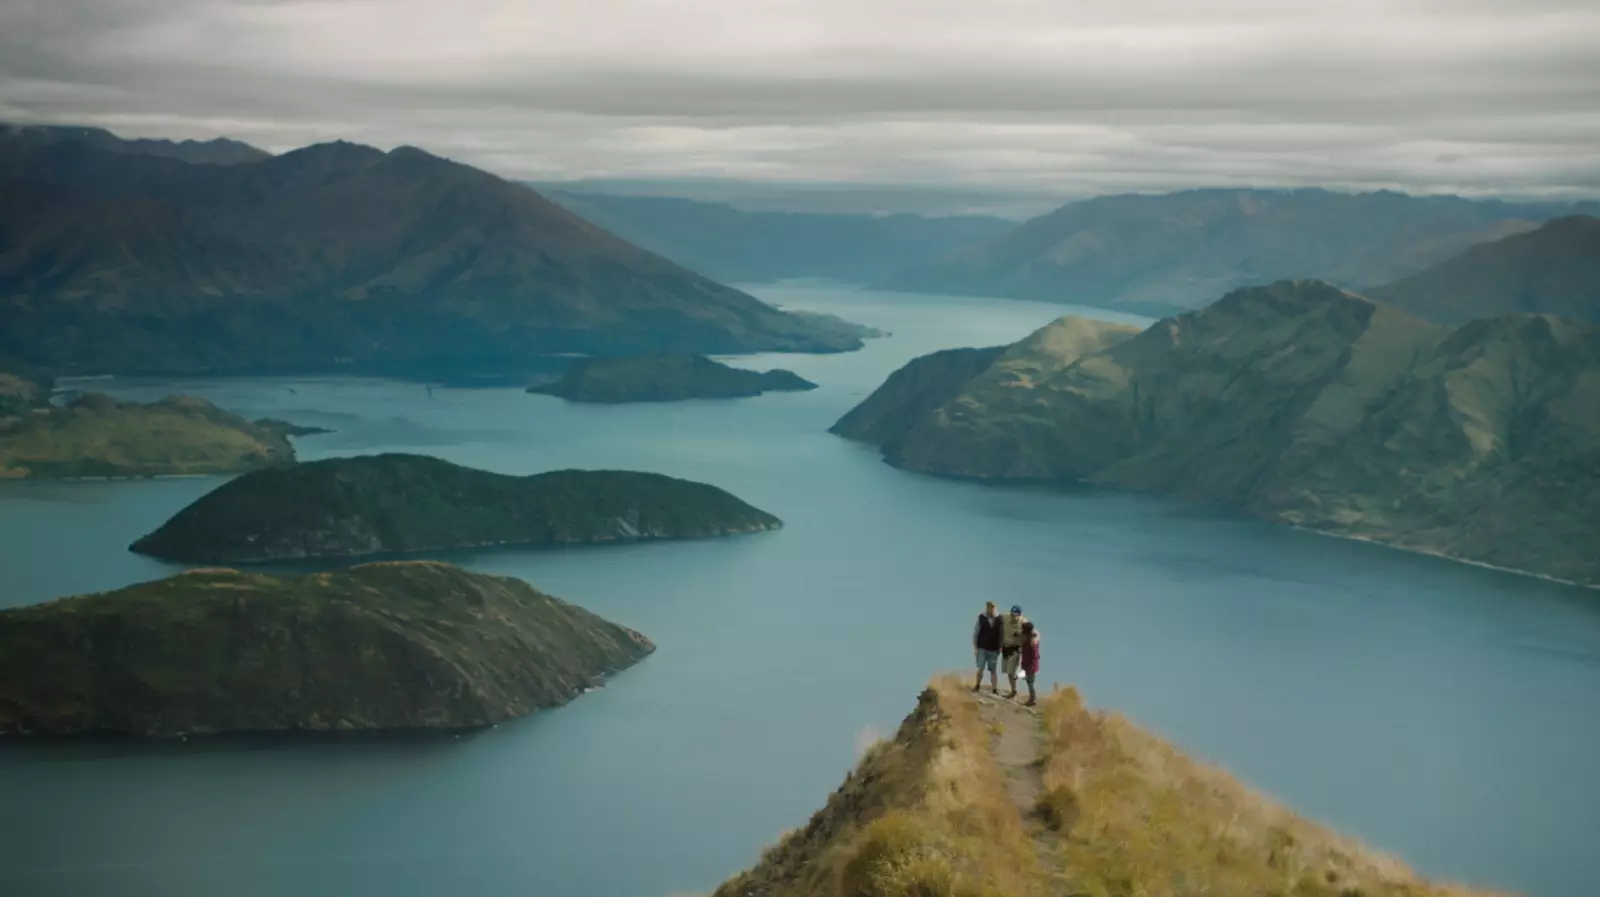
(1477,96)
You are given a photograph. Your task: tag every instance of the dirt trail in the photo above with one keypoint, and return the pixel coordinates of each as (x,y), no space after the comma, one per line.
(1018,744)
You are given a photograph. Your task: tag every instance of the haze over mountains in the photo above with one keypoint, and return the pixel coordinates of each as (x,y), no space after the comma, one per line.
(1166,252)
(332,257)
(732,244)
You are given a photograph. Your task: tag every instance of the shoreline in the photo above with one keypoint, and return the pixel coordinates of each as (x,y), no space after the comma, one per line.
(1428,552)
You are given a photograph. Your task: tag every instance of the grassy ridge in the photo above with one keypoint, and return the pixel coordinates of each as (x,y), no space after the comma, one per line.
(1123,814)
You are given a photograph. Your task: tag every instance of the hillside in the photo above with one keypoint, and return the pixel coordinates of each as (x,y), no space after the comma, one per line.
(22,388)
(665,378)
(384,504)
(97,436)
(979,797)
(380,646)
(1304,404)
(1552,270)
(336,257)
(732,244)
(1166,252)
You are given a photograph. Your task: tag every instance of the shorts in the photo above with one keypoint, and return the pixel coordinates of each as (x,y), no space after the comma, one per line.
(1010,663)
(987,660)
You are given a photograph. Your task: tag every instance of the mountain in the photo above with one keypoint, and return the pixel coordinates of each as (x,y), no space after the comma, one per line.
(1168,252)
(98,436)
(219,151)
(1552,270)
(976,796)
(1303,404)
(379,646)
(336,257)
(393,503)
(665,378)
(731,244)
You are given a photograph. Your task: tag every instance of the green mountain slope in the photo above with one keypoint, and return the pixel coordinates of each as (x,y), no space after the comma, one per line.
(732,244)
(336,257)
(381,504)
(1552,270)
(1305,404)
(380,646)
(1168,252)
(97,436)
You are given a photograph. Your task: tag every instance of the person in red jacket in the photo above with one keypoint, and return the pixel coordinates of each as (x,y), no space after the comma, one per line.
(1030,659)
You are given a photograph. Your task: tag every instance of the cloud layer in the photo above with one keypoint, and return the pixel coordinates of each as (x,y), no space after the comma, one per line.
(1062,96)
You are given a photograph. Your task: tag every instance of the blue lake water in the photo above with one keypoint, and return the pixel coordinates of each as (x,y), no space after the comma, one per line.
(1443,712)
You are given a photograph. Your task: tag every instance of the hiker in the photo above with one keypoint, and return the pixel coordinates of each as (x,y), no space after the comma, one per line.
(986,647)
(1011,644)
(1030,659)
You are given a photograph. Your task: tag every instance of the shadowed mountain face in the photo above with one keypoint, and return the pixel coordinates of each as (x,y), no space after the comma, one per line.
(733,244)
(380,646)
(334,257)
(220,151)
(665,378)
(1304,404)
(1552,270)
(1173,251)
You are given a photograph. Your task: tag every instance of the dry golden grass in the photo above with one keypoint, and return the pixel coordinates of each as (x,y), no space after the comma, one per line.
(923,815)
(1133,817)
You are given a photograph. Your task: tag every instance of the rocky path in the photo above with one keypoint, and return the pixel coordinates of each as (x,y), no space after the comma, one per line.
(1017,742)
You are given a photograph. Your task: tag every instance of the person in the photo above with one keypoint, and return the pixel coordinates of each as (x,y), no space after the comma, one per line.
(986,647)
(1030,659)
(1011,644)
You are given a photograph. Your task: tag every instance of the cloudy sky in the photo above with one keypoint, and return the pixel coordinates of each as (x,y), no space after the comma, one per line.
(1476,96)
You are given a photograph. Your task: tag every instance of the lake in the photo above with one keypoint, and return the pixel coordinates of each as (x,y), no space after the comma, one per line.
(1440,711)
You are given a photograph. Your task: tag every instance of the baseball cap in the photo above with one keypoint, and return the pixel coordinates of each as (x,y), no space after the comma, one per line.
(1016,608)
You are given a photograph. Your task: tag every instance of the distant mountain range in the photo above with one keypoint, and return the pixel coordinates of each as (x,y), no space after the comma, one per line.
(1166,252)
(731,244)
(1297,402)
(120,256)
(220,151)
(1552,270)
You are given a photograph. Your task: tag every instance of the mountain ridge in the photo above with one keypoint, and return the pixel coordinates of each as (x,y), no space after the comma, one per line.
(334,258)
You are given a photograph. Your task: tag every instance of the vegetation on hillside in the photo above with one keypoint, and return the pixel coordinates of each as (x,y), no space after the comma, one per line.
(1122,814)
(1552,270)
(1300,403)
(380,646)
(397,503)
(665,378)
(97,436)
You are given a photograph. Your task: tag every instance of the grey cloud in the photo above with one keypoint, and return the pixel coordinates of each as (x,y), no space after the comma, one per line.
(1477,96)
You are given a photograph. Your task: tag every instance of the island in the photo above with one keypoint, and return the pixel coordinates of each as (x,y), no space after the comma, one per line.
(664,378)
(400,504)
(1298,402)
(96,436)
(408,645)
(976,796)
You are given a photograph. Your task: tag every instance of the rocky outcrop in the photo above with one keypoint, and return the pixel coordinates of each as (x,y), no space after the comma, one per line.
(381,646)
(394,504)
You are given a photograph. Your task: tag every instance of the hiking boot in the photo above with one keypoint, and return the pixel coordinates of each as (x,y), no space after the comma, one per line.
(1031,703)
(1012,696)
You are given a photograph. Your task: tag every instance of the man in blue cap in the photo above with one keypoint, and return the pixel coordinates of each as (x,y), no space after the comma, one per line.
(1011,637)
